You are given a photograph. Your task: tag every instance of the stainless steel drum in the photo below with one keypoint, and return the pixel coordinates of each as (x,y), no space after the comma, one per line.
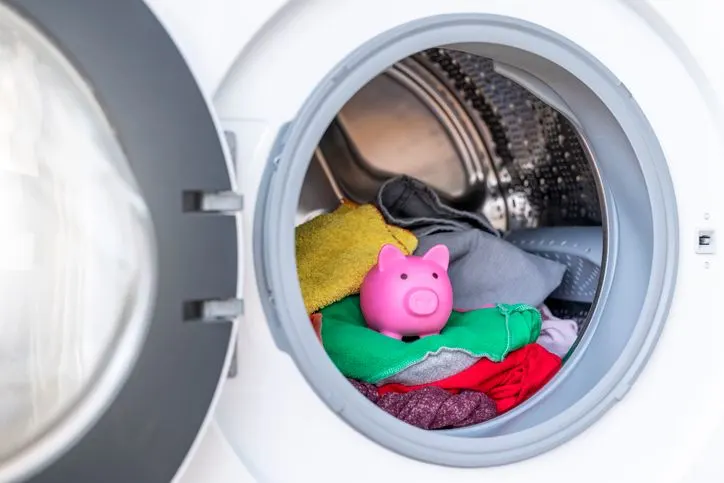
(481,140)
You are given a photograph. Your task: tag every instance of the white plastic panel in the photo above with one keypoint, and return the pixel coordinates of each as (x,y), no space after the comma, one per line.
(276,424)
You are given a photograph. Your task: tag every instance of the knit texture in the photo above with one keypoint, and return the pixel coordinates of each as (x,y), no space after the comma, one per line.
(432,407)
(366,355)
(509,383)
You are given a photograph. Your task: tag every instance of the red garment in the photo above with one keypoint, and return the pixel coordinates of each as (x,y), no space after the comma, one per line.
(316,319)
(508,383)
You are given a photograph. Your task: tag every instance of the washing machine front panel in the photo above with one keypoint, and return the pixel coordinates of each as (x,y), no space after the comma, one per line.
(258,92)
(143,405)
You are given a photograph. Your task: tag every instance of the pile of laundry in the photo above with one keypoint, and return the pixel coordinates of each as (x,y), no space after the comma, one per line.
(500,344)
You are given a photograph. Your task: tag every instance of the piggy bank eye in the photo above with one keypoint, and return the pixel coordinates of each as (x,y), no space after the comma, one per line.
(434,275)
(403,276)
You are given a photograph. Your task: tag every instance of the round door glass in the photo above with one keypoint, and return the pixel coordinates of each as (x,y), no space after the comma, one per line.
(76,244)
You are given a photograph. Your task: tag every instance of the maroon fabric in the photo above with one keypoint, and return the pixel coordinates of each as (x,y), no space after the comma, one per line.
(508,383)
(432,407)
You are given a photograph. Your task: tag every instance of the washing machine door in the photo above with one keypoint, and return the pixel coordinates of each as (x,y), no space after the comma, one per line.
(118,258)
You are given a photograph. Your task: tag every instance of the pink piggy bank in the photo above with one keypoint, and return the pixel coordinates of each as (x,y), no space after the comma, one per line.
(408,295)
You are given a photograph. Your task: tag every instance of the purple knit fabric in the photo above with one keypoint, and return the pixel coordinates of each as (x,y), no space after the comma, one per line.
(432,407)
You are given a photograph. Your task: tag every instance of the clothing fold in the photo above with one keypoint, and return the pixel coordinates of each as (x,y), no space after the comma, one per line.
(509,382)
(484,268)
(335,251)
(366,355)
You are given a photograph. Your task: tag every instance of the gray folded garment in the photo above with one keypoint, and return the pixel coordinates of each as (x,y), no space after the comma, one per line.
(484,268)
(434,367)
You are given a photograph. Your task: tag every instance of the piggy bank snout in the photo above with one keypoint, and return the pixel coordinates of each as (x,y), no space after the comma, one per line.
(422,301)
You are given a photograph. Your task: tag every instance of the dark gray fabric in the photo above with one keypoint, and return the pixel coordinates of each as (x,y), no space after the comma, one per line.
(411,204)
(484,268)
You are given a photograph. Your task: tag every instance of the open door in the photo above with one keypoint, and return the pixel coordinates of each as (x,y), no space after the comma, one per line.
(120,293)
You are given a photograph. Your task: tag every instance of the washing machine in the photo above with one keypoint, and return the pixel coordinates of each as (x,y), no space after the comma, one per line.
(158,157)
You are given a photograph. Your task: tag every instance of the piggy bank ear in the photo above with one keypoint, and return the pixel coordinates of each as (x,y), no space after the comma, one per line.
(388,255)
(438,254)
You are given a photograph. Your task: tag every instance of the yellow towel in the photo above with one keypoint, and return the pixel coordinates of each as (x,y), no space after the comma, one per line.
(336,250)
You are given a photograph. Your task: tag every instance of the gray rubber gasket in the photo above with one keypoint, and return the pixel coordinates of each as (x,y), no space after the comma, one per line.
(641,219)
(169,137)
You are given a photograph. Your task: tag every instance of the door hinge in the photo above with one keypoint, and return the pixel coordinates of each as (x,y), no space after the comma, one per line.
(212,310)
(219,202)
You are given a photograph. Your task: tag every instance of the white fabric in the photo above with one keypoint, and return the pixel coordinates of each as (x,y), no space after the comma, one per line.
(556,335)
